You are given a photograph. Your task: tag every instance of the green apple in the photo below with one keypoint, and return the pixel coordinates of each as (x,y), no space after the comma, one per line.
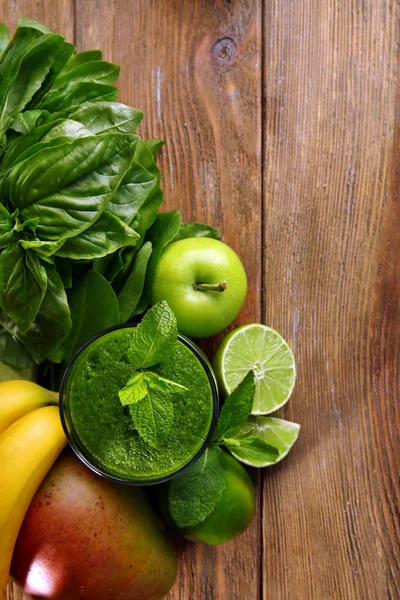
(204,283)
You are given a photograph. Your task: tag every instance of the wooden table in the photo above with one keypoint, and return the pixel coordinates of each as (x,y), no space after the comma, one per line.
(281,120)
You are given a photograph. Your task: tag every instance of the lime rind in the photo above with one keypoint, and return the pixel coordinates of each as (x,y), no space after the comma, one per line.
(277,432)
(261,349)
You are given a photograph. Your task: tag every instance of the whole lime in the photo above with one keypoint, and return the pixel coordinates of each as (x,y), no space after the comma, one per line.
(204,283)
(232,515)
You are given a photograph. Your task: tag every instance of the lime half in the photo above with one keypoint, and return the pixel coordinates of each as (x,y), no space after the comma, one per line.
(276,432)
(263,350)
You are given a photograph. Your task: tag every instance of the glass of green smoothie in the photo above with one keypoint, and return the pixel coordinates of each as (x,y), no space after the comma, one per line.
(100,430)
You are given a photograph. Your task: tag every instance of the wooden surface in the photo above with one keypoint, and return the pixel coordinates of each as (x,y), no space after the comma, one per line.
(281,122)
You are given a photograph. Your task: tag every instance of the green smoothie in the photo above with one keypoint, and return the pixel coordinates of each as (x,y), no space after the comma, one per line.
(102,428)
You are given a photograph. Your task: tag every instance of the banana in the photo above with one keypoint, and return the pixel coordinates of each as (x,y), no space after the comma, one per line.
(19,397)
(28,449)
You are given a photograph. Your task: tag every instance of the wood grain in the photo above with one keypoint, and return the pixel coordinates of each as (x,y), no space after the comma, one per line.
(331,260)
(282,127)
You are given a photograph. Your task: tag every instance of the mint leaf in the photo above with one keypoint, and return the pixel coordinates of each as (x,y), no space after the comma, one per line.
(193,496)
(251,449)
(143,383)
(153,416)
(236,409)
(154,338)
(134,390)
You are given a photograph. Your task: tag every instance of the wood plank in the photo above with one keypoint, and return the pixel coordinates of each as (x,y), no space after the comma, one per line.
(194,68)
(332,285)
(58,15)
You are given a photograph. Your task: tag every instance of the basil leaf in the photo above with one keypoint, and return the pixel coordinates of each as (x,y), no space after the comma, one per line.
(26,122)
(43,248)
(27,76)
(92,72)
(3,38)
(134,190)
(13,352)
(81,58)
(64,52)
(7,232)
(154,338)
(252,449)
(161,233)
(106,235)
(94,307)
(236,409)
(52,322)
(193,496)
(144,157)
(154,145)
(32,24)
(68,186)
(23,283)
(107,117)
(152,417)
(129,296)
(190,230)
(63,267)
(73,95)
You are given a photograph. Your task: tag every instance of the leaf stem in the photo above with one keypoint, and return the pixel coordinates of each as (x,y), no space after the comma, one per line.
(210,287)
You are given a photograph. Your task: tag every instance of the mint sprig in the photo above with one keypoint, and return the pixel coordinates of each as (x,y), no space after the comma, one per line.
(193,496)
(148,395)
(154,338)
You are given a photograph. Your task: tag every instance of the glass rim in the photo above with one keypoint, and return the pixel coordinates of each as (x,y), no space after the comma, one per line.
(84,455)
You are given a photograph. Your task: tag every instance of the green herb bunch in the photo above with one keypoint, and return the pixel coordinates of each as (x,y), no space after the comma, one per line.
(79,195)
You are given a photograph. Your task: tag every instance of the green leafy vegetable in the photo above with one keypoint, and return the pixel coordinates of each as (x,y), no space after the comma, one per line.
(129,296)
(154,145)
(236,409)
(94,307)
(193,496)
(154,338)
(189,230)
(3,38)
(23,283)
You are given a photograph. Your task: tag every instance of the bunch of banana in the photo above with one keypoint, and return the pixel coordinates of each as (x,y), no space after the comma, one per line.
(31,438)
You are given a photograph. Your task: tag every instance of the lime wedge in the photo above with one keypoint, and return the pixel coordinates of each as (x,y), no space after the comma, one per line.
(276,432)
(264,350)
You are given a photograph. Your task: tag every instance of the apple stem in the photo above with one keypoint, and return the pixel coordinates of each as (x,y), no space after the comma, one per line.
(210,287)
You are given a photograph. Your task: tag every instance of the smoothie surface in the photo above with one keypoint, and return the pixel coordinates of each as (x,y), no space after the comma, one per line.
(104,427)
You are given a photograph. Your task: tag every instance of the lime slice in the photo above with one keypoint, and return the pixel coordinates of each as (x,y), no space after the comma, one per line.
(264,350)
(276,432)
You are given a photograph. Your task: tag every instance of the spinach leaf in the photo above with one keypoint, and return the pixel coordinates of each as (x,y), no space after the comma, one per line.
(161,233)
(131,292)
(3,38)
(107,117)
(94,307)
(23,283)
(106,235)
(68,186)
(190,230)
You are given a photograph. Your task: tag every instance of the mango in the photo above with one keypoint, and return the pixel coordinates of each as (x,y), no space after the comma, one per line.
(87,538)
